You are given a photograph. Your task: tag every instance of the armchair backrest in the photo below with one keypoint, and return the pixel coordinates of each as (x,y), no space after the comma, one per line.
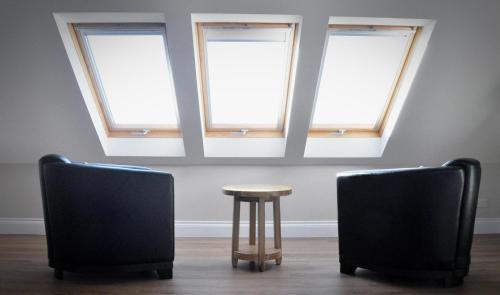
(472,177)
(52,158)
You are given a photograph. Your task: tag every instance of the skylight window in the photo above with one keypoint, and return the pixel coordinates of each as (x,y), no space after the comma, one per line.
(129,71)
(361,70)
(245,77)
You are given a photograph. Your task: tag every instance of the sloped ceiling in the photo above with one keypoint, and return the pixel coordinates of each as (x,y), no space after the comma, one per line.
(453,109)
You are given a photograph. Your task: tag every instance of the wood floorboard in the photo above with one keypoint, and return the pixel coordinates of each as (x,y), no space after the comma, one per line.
(203,266)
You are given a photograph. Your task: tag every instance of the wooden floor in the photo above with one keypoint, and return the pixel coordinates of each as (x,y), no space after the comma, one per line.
(203,266)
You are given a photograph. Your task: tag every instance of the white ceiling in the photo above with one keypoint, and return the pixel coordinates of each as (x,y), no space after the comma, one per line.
(453,109)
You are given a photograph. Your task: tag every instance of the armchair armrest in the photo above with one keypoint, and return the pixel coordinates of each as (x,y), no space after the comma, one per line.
(117,166)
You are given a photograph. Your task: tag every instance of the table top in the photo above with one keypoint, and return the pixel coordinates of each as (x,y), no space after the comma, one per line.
(257,190)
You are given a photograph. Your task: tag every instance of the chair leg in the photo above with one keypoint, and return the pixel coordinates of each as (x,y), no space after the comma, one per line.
(58,274)
(452,281)
(347,269)
(165,273)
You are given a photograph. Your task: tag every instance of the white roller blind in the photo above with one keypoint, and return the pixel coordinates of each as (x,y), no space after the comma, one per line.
(358,72)
(134,77)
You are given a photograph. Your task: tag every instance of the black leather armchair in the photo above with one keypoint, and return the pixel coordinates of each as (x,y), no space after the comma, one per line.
(108,218)
(417,222)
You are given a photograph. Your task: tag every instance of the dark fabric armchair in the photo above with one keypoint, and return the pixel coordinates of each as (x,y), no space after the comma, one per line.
(416,222)
(107,218)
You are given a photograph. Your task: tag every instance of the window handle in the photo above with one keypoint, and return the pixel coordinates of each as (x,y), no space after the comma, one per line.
(142,132)
(339,132)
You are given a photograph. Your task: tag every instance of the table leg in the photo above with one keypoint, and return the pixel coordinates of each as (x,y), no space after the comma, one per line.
(262,234)
(252,223)
(236,231)
(277,227)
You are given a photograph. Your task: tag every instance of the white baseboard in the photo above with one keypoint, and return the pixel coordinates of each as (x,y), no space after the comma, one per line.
(487,226)
(22,226)
(289,229)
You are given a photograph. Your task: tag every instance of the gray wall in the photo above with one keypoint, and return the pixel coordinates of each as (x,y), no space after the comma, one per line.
(453,109)
(198,190)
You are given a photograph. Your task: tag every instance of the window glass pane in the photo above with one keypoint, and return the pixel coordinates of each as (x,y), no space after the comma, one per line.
(357,76)
(246,82)
(135,79)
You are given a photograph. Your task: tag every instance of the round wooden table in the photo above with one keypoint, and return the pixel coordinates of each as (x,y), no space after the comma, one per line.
(254,194)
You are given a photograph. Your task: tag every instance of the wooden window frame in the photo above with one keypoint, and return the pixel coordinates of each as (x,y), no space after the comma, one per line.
(92,80)
(378,130)
(244,131)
